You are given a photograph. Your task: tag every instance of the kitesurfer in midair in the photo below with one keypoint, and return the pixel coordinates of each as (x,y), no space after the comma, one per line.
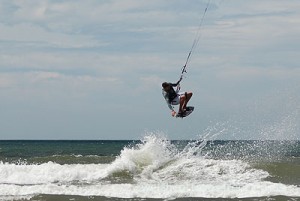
(175,97)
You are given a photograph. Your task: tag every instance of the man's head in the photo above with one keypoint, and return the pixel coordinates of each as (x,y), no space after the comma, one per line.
(165,86)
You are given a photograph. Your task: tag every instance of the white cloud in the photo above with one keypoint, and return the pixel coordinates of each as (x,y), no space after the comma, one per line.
(6,81)
(148,83)
(28,35)
(41,82)
(110,51)
(240,73)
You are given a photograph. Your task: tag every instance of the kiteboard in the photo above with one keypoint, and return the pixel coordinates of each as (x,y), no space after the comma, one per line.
(188,111)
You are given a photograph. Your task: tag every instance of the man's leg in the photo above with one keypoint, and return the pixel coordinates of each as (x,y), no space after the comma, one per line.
(187,97)
(181,103)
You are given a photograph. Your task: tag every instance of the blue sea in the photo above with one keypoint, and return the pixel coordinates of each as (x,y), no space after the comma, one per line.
(152,168)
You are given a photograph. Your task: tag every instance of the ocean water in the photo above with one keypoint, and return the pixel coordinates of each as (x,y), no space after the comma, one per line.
(153,168)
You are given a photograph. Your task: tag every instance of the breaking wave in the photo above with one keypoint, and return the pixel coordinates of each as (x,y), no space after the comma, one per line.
(153,165)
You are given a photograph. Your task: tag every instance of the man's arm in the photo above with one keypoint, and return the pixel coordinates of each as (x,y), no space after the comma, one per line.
(167,100)
(177,83)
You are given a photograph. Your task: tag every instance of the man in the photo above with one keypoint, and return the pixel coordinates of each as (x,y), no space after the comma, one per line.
(174,97)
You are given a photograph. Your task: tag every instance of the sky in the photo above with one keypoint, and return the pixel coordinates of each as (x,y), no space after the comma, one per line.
(92,70)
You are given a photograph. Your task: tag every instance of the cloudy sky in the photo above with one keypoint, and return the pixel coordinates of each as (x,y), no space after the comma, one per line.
(93,69)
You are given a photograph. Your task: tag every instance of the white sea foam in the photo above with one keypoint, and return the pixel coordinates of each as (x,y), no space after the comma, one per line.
(158,170)
(49,173)
(150,155)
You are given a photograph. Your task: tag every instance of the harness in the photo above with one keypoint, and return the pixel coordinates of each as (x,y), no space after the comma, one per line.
(171,94)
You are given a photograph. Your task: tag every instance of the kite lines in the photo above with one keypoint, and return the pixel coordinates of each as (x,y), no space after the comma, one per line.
(196,41)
